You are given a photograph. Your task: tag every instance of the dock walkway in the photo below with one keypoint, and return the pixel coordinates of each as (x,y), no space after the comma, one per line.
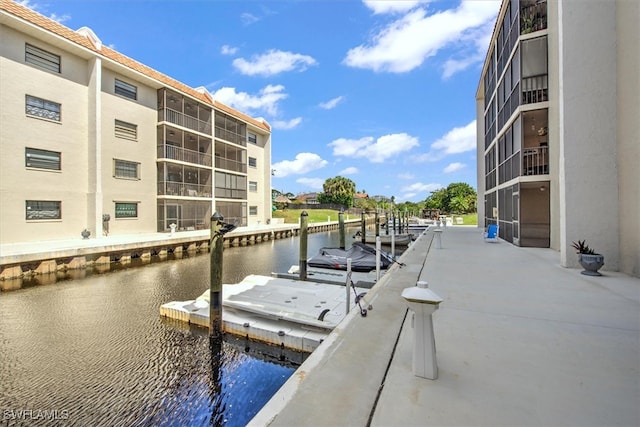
(521,341)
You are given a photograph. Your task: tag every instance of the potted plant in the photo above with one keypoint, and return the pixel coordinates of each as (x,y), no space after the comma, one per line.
(588,258)
(85,233)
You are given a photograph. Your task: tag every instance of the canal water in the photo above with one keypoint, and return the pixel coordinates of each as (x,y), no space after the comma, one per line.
(95,351)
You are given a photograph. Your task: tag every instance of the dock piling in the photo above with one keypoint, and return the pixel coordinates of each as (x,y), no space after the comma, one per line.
(215,283)
(303,245)
(341,225)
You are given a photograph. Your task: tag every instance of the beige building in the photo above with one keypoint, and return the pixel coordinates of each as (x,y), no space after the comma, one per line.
(90,138)
(558,128)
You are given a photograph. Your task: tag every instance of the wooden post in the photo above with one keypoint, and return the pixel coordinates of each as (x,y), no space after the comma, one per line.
(341,226)
(303,245)
(215,289)
(377,221)
(363,228)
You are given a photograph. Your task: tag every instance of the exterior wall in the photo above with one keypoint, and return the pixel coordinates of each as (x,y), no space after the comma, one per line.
(588,172)
(262,175)
(628,135)
(19,183)
(142,113)
(480,174)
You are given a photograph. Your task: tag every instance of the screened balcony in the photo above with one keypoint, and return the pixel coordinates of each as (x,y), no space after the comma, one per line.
(533,16)
(184,112)
(184,181)
(176,144)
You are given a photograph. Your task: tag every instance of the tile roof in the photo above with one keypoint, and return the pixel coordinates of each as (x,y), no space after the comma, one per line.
(54,27)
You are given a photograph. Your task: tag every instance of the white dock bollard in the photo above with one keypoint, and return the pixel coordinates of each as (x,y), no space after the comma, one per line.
(423,302)
(437,234)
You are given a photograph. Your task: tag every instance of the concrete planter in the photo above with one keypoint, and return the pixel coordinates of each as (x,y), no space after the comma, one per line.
(591,263)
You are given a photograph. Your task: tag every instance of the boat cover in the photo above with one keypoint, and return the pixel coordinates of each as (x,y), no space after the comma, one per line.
(363,258)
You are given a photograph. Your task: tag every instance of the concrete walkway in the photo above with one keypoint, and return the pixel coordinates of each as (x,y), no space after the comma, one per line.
(520,341)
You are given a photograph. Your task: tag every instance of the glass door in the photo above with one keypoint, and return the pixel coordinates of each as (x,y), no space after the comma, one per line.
(174,216)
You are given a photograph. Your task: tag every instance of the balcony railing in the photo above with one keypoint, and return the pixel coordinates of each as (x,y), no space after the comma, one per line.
(535,161)
(535,89)
(171,188)
(231,136)
(184,120)
(230,165)
(183,155)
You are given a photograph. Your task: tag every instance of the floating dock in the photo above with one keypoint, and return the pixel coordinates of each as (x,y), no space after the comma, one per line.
(293,314)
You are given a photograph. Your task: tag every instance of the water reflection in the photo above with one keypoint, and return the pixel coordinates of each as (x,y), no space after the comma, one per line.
(96,347)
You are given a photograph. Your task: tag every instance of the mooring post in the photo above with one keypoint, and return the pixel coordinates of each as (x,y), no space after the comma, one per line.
(377,220)
(394,222)
(363,228)
(348,286)
(215,289)
(386,223)
(341,226)
(303,245)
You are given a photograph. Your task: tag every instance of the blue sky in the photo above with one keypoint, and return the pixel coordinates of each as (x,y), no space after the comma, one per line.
(380,92)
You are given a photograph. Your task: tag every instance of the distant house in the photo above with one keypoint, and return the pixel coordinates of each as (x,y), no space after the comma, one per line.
(358,196)
(308,198)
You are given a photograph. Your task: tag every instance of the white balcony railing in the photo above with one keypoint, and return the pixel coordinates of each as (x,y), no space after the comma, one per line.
(535,161)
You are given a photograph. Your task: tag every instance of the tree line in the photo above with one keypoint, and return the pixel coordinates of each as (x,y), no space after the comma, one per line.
(456,198)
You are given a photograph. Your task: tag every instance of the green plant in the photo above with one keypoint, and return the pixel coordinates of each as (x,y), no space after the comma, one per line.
(581,247)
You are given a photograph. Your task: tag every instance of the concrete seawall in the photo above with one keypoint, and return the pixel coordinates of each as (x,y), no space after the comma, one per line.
(28,259)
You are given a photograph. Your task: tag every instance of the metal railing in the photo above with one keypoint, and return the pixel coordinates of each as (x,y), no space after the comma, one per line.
(171,188)
(184,155)
(231,136)
(231,165)
(535,161)
(184,120)
(535,89)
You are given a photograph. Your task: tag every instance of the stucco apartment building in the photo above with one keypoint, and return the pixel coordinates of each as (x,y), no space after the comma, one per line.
(90,138)
(558,139)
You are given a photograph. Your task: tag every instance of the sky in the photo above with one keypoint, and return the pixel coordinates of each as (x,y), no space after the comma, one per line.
(378,91)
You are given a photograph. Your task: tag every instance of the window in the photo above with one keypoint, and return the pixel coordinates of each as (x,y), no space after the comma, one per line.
(38,107)
(42,159)
(126,130)
(125,169)
(41,58)
(253,186)
(253,162)
(43,209)
(253,210)
(126,210)
(252,138)
(126,90)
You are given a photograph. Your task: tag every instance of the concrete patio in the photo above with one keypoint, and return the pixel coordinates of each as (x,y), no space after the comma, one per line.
(521,341)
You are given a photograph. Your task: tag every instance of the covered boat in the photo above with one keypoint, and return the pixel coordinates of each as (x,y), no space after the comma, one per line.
(363,258)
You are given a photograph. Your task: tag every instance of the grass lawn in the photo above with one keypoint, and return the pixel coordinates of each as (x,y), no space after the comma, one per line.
(291,216)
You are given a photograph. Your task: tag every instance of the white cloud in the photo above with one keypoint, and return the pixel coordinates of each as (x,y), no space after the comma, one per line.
(228,50)
(273,62)
(286,125)
(418,189)
(349,171)
(375,151)
(312,183)
(455,166)
(332,103)
(304,162)
(406,43)
(457,140)
(248,18)
(390,6)
(266,100)
(406,176)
